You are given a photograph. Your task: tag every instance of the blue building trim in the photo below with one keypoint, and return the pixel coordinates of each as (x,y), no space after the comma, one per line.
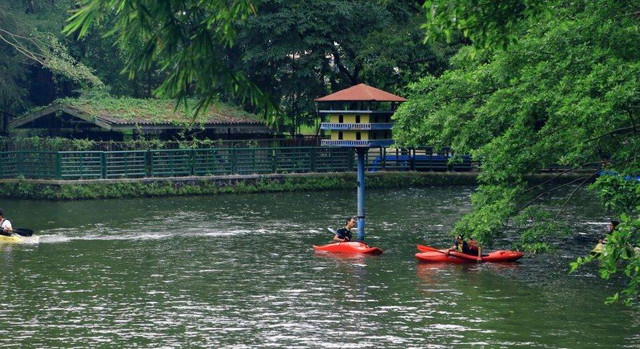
(355,143)
(353,126)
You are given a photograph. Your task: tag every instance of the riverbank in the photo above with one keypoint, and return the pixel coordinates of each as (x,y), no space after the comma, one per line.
(38,189)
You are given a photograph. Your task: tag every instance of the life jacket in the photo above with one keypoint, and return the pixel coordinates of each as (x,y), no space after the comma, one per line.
(596,251)
(344,233)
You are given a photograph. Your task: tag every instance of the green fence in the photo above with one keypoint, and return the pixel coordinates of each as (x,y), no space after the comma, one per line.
(216,161)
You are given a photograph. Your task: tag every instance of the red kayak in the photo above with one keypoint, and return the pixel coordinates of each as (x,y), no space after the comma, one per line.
(348,247)
(433,255)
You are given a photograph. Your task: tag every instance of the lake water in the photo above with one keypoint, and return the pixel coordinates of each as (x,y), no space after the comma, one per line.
(239,271)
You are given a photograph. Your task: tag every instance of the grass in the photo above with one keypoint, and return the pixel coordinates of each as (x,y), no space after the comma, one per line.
(154,110)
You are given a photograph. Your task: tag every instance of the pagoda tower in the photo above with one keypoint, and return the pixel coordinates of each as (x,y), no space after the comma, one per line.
(360,118)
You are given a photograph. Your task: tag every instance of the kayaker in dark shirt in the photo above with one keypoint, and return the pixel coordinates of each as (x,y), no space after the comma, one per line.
(471,247)
(344,234)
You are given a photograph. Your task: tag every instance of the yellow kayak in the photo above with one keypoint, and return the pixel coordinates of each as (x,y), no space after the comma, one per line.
(17,239)
(13,239)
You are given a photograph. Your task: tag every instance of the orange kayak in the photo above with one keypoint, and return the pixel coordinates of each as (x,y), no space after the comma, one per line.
(434,255)
(348,247)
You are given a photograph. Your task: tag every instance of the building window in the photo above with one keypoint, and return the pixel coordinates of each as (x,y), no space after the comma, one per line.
(341,119)
(358,137)
(340,134)
(357,119)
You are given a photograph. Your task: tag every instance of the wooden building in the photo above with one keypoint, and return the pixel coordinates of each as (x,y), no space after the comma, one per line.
(359,116)
(118,119)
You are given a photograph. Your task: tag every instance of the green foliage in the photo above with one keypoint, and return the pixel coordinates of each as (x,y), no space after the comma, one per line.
(66,144)
(156,110)
(492,208)
(619,194)
(101,189)
(300,50)
(292,51)
(29,42)
(486,23)
(538,229)
(45,144)
(621,255)
(564,93)
(186,39)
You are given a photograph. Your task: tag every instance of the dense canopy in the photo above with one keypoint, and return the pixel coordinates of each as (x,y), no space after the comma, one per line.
(564,91)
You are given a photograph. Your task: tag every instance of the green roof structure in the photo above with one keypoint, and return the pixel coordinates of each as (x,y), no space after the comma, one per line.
(146,116)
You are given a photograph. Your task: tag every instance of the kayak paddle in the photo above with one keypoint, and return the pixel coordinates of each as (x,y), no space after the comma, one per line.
(23,231)
(424,248)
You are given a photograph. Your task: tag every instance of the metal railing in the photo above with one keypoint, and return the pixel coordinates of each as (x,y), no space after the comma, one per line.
(73,165)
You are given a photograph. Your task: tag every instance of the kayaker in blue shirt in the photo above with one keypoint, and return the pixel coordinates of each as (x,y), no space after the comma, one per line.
(344,234)
(5,225)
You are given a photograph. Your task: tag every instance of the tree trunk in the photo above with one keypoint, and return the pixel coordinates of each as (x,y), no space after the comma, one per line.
(5,123)
(29,6)
(149,84)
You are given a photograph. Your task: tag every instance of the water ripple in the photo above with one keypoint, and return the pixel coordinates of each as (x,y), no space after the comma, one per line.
(239,271)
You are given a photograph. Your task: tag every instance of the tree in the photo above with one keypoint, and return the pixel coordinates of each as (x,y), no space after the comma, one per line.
(248,52)
(299,50)
(546,84)
(186,39)
(29,45)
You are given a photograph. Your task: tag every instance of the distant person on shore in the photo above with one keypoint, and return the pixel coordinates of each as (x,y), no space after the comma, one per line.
(344,234)
(596,251)
(471,247)
(5,225)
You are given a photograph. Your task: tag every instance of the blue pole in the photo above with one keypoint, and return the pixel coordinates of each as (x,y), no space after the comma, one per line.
(361,152)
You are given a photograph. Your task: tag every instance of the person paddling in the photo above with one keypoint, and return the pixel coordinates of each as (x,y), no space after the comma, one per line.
(597,250)
(344,234)
(465,247)
(5,225)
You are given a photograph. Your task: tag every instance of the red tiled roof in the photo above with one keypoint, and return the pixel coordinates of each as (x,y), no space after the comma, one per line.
(361,92)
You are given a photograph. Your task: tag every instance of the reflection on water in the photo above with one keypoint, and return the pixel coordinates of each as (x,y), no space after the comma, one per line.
(240,271)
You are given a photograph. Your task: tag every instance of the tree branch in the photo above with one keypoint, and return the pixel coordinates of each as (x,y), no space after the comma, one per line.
(338,61)
(418,60)
(573,193)
(553,189)
(573,169)
(618,130)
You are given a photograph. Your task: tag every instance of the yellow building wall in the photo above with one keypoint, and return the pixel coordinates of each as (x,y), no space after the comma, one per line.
(349,135)
(348,118)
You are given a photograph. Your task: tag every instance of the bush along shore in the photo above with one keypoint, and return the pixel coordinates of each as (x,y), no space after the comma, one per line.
(237,184)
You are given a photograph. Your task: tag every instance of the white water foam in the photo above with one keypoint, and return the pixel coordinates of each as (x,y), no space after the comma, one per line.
(77,235)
